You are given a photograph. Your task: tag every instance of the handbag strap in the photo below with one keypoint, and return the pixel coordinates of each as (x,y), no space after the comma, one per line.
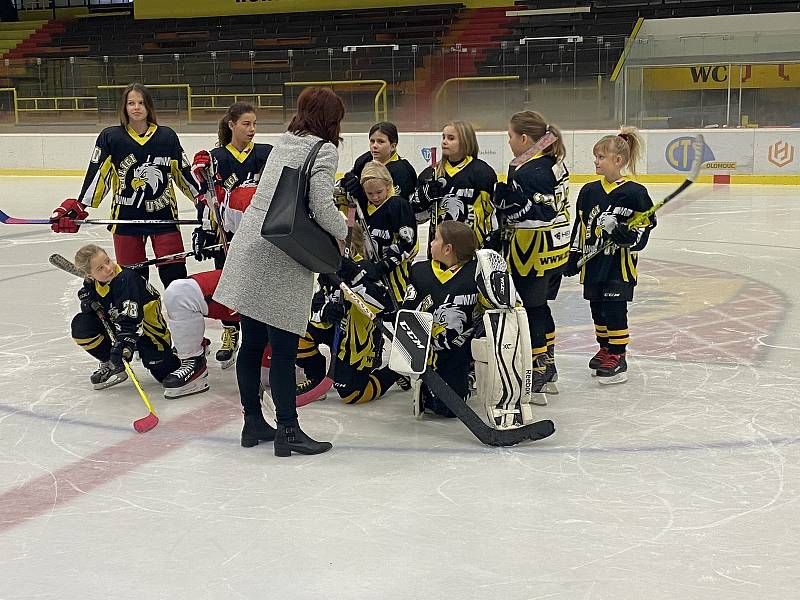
(312,156)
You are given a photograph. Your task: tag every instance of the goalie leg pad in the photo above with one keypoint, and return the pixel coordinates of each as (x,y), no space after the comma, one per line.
(503,368)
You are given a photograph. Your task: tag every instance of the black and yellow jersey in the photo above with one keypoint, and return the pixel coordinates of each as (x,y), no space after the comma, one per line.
(467,196)
(393,228)
(139,171)
(359,337)
(601,205)
(403,174)
(237,176)
(539,238)
(450,294)
(134,306)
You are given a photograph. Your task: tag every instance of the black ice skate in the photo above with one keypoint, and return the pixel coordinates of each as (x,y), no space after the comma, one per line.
(550,374)
(190,378)
(107,375)
(539,380)
(597,360)
(226,355)
(613,370)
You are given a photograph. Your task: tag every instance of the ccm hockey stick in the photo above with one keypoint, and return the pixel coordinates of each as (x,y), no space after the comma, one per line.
(456,404)
(642,219)
(151,420)
(4,218)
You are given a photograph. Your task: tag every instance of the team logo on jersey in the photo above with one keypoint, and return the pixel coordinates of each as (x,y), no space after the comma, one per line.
(406,234)
(450,316)
(147,174)
(680,154)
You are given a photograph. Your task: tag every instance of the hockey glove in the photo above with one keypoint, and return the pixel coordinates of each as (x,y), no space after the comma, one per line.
(201,240)
(624,237)
(200,165)
(494,240)
(64,217)
(123,348)
(571,268)
(431,190)
(509,203)
(87,295)
(333,312)
(352,186)
(349,271)
(373,271)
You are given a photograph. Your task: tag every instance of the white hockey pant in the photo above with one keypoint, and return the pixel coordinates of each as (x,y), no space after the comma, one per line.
(186,312)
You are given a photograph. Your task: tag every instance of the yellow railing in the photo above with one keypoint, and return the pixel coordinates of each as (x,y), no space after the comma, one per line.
(56,104)
(231,98)
(447,82)
(182,86)
(380,95)
(15,102)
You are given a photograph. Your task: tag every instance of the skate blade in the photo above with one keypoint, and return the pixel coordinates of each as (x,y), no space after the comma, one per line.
(550,388)
(539,399)
(224,364)
(618,378)
(197,386)
(112,381)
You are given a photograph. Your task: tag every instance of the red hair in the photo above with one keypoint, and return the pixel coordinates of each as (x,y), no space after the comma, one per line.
(319,112)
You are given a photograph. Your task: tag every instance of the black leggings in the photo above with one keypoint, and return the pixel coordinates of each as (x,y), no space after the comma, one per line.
(255,336)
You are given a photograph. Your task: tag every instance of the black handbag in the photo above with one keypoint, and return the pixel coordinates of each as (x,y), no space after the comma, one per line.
(290,224)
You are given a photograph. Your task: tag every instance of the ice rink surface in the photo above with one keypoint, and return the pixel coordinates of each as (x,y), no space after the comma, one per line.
(681,483)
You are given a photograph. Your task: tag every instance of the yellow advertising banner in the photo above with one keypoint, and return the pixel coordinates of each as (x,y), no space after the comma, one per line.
(718,77)
(185,9)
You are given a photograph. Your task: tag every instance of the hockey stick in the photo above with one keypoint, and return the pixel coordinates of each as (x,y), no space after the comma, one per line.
(642,219)
(456,404)
(59,261)
(151,420)
(212,195)
(4,218)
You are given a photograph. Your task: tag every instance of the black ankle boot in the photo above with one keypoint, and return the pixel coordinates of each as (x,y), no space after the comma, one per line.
(255,430)
(290,438)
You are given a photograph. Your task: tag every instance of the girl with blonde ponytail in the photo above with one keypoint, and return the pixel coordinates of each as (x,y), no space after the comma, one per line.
(603,209)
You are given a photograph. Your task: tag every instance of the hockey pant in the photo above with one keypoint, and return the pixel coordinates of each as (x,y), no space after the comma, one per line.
(89,333)
(355,386)
(129,250)
(503,368)
(188,302)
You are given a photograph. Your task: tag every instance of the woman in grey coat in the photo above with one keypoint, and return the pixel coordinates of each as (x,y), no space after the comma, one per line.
(271,291)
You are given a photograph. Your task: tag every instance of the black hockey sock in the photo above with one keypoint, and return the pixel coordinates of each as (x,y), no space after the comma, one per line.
(617,321)
(600,326)
(171,272)
(538,317)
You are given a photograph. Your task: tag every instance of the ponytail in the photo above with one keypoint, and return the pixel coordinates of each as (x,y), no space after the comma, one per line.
(534,125)
(235,112)
(627,144)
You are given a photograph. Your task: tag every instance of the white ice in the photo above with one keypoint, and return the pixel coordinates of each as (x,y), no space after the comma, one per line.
(681,483)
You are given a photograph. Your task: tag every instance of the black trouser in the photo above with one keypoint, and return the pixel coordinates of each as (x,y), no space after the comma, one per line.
(255,336)
(89,333)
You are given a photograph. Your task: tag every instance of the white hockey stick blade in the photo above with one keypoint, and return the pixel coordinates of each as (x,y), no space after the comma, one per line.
(411,346)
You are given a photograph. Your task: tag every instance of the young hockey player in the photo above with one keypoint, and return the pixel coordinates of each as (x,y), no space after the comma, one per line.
(383,138)
(391,229)
(133,309)
(460,187)
(235,165)
(356,377)
(533,209)
(446,287)
(603,209)
(137,161)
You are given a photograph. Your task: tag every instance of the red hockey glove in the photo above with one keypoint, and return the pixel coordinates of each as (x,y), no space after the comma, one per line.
(64,217)
(202,160)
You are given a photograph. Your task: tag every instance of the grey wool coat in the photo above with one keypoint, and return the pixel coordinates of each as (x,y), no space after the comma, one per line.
(260,280)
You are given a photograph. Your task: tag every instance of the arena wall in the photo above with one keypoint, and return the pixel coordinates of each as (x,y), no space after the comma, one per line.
(739,156)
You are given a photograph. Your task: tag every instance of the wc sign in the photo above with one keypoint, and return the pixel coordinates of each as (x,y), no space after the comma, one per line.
(781,154)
